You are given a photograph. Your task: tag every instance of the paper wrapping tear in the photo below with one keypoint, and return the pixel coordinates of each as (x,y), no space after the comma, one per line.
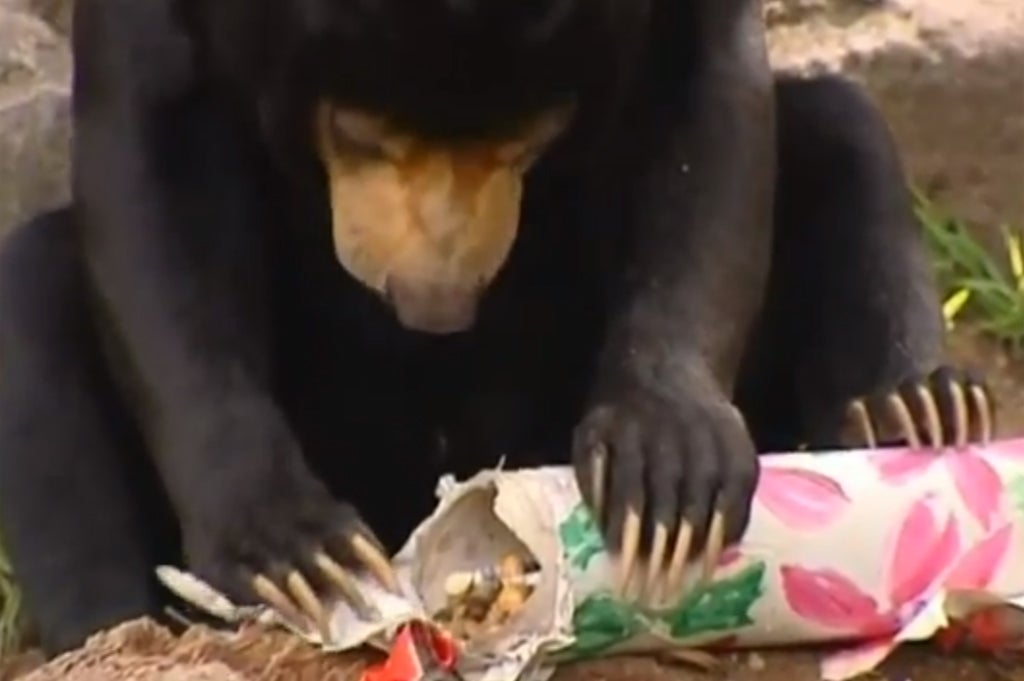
(867,549)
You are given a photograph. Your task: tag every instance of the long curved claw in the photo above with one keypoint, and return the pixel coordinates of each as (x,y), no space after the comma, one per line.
(960,415)
(345,582)
(901,412)
(302,594)
(983,407)
(714,548)
(630,548)
(598,472)
(265,588)
(375,560)
(656,564)
(677,563)
(858,411)
(931,413)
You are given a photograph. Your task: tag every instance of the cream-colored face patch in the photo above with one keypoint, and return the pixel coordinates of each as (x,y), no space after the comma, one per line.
(427,226)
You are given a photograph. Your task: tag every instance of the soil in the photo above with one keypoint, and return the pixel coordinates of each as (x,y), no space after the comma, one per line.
(144,652)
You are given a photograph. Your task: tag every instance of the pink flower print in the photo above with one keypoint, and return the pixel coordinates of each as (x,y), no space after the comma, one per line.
(979,486)
(898,465)
(831,599)
(975,479)
(802,499)
(923,551)
(927,558)
(1007,449)
(976,568)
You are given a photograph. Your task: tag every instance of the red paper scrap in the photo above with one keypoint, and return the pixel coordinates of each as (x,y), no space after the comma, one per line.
(420,653)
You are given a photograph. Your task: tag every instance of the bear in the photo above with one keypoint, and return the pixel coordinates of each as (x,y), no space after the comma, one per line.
(319,252)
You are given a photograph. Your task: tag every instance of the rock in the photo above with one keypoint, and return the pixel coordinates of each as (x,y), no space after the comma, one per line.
(949,76)
(756,662)
(34,123)
(56,12)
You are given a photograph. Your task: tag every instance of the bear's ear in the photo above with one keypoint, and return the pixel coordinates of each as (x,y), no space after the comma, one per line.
(426,224)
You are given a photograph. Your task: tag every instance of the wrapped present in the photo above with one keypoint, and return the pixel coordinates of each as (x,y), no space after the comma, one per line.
(864,549)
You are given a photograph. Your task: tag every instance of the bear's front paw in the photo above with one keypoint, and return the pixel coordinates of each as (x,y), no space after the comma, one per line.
(287,543)
(667,480)
(946,407)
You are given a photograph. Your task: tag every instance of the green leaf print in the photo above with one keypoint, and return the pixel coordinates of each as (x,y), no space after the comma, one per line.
(581,538)
(720,606)
(1015,488)
(601,622)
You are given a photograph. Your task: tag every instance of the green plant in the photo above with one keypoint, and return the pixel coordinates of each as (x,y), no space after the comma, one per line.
(972,282)
(10,606)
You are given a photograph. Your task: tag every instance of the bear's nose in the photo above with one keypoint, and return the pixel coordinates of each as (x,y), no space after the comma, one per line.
(432,307)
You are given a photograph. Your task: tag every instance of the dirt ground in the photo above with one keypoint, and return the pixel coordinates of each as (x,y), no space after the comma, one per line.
(918,663)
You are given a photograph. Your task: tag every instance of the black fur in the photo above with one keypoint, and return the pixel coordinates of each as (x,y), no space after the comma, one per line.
(188,371)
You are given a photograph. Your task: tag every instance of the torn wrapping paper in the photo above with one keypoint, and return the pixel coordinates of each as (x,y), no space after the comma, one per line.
(869,549)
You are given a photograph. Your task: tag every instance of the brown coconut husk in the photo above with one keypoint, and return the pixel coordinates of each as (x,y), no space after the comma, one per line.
(145,651)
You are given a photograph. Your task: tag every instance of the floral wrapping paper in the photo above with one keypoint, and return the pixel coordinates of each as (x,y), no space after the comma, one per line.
(866,549)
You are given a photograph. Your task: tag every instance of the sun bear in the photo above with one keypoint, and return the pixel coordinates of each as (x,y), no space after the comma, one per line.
(319,252)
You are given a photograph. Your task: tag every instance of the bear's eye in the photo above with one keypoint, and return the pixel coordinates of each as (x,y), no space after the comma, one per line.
(359,133)
(356,147)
